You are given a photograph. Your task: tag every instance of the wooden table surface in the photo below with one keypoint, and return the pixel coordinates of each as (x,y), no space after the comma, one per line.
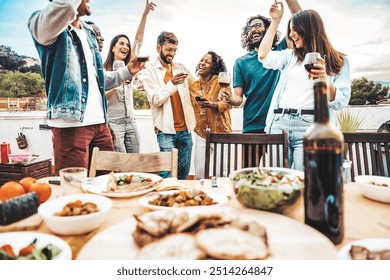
(364,218)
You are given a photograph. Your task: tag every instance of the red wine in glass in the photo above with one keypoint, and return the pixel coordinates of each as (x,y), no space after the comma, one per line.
(224,79)
(310,67)
(143,58)
(310,60)
(223,84)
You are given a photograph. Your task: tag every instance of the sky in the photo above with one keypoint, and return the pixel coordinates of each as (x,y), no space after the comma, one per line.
(358,28)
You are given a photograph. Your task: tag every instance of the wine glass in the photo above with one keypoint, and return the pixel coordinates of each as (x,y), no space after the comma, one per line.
(310,60)
(118,64)
(140,56)
(224,80)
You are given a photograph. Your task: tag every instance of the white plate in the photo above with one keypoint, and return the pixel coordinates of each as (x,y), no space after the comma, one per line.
(377,193)
(374,244)
(98,185)
(144,201)
(20,239)
(287,238)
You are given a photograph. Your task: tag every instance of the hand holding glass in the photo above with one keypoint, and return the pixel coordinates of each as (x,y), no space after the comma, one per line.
(224,81)
(310,60)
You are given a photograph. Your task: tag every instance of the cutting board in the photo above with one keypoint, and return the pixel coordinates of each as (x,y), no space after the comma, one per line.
(31,223)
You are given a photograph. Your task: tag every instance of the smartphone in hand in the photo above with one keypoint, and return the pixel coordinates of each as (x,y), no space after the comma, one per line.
(199,98)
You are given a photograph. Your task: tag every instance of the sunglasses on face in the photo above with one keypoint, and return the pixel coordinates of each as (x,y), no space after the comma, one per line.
(255,25)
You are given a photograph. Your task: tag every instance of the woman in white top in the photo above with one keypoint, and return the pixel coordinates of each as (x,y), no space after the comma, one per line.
(292,106)
(120,100)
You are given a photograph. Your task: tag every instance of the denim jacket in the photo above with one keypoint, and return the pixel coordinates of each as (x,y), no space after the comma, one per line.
(63,63)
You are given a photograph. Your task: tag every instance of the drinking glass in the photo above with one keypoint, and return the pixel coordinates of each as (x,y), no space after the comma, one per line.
(202,110)
(71,180)
(347,165)
(140,56)
(224,79)
(118,64)
(310,60)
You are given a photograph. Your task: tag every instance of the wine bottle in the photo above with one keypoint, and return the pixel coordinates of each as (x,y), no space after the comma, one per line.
(323,162)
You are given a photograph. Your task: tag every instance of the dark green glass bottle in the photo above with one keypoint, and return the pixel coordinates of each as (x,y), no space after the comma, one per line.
(323,161)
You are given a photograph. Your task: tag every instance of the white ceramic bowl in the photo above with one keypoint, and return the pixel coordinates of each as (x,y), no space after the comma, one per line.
(74,225)
(374,192)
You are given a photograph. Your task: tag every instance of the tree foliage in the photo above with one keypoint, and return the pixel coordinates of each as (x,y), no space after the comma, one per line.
(11,61)
(365,92)
(141,101)
(17,84)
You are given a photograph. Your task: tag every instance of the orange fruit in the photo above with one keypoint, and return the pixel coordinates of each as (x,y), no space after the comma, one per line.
(43,191)
(27,182)
(10,190)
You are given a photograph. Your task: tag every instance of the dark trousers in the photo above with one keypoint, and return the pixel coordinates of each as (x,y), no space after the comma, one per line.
(73,146)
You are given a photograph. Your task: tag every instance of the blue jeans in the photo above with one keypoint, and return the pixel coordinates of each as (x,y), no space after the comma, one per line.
(296,126)
(182,141)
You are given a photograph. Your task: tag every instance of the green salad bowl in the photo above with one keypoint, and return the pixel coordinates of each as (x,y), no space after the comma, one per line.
(269,189)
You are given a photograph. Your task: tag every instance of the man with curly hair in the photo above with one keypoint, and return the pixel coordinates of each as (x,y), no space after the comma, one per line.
(250,78)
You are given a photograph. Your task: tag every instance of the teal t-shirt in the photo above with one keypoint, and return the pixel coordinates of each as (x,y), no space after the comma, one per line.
(258,85)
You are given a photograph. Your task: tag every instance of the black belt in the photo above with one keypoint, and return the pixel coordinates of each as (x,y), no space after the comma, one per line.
(293,111)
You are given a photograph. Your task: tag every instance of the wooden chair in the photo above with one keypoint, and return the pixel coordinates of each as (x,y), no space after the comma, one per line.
(369,153)
(134,162)
(244,150)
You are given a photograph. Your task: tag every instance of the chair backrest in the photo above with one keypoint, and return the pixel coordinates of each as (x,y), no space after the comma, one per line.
(244,150)
(134,162)
(369,153)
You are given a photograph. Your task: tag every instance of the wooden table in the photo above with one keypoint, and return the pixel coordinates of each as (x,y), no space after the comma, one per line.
(364,218)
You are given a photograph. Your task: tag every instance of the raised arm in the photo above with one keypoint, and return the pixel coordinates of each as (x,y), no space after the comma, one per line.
(294,6)
(45,25)
(276,15)
(139,36)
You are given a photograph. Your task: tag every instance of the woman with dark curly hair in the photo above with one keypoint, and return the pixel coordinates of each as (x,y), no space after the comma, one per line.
(210,112)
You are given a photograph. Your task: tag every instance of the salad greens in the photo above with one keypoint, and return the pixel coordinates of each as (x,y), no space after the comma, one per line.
(46,253)
(267,189)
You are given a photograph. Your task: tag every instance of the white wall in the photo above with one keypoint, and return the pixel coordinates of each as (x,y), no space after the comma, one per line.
(39,141)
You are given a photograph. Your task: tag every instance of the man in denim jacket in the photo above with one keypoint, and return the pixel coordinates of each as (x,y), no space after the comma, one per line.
(75,82)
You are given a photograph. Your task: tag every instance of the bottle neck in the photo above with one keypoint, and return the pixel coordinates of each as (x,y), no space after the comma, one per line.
(321,112)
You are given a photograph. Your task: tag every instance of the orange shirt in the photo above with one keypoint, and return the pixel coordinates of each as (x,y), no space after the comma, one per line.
(177,106)
(217,119)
